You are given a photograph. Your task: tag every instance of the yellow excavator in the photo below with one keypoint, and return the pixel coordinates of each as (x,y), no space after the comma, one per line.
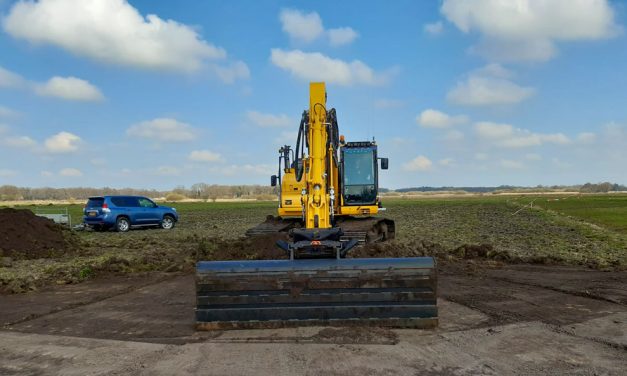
(328,199)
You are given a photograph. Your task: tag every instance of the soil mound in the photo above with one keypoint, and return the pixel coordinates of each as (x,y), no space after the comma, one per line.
(25,235)
(262,247)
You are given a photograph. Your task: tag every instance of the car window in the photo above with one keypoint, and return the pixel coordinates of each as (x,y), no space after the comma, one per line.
(118,201)
(146,203)
(131,202)
(95,202)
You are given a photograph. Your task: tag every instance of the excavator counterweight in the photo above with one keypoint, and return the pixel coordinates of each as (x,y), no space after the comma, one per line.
(328,202)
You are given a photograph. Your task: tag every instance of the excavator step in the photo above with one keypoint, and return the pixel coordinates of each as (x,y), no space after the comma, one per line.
(391,292)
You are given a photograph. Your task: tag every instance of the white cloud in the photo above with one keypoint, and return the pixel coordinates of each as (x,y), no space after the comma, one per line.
(70,172)
(384,104)
(162,129)
(6,173)
(434,28)
(9,79)
(527,30)
(430,118)
(447,162)
(314,66)
(6,112)
(167,171)
(62,142)
(420,163)
(232,72)
(307,27)
(111,31)
(99,162)
(288,138)
(70,88)
(586,137)
(506,136)
(486,129)
(453,135)
(481,156)
(341,36)
(46,174)
(204,156)
(489,86)
(533,157)
(304,27)
(511,165)
(268,120)
(20,142)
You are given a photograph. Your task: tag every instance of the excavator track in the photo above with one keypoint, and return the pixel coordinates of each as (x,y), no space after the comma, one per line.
(399,292)
(366,230)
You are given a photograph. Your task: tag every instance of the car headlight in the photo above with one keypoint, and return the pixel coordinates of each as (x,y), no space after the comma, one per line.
(174,209)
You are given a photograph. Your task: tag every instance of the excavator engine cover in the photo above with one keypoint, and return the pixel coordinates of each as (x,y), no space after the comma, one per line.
(390,292)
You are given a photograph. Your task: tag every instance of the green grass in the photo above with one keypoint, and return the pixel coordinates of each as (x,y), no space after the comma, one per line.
(554,230)
(608,211)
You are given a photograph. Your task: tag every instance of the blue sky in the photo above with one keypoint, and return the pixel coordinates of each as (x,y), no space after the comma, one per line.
(153,94)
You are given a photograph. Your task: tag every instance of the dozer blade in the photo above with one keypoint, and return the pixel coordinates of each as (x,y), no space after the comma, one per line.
(391,292)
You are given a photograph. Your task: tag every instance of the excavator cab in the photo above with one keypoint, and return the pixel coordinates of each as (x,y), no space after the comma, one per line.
(360,173)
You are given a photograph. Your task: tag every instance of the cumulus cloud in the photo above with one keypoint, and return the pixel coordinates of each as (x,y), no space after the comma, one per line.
(453,135)
(431,118)
(162,129)
(62,142)
(232,72)
(307,27)
(586,137)
(6,112)
(70,172)
(507,136)
(314,66)
(420,163)
(167,171)
(434,28)
(269,120)
(111,31)
(341,36)
(488,86)
(528,30)
(204,156)
(447,162)
(69,88)
(9,79)
(19,142)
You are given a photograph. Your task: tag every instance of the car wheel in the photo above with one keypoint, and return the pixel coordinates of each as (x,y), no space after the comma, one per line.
(122,224)
(167,223)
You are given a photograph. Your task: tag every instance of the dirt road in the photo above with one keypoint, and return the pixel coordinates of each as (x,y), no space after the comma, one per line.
(518,319)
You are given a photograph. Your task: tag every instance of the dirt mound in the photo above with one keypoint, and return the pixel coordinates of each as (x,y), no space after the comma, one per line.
(398,249)
(25,235)
(261,247)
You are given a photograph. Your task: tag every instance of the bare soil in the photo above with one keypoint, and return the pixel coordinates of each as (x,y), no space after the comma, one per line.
(494,319)
(25,235)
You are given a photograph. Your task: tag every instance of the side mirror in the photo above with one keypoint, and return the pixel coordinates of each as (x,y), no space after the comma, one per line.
(273,180)
(384,163)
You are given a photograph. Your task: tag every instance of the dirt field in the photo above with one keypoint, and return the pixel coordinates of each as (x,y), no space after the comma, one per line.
(522,292)
(521,319)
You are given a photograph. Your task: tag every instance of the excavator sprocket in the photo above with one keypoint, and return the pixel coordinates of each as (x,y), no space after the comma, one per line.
(398,292)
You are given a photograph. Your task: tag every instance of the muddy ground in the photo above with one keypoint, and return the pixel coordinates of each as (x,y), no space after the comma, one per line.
(495,319)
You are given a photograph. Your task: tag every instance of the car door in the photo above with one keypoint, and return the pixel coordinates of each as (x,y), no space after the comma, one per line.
(150,211)
(134,211)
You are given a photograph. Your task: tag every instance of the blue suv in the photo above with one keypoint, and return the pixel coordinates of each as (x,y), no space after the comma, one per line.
(124,212)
